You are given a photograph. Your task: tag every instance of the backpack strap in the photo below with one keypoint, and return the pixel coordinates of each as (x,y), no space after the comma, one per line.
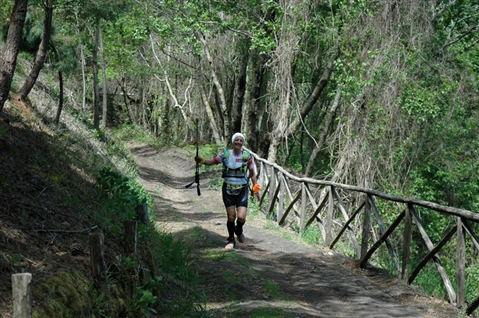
(228,172)
(246,156)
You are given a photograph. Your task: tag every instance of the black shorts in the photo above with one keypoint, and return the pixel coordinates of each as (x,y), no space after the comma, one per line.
(241,199)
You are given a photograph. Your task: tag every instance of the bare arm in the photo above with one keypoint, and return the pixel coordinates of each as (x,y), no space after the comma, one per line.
(206,162)
(252,174)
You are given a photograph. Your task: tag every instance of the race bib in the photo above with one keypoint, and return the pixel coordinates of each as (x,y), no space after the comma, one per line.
(233,189)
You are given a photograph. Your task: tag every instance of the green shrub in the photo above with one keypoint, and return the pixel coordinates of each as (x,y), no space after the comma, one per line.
(120,198)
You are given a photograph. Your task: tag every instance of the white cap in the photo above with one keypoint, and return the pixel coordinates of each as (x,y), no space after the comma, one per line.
(238,134)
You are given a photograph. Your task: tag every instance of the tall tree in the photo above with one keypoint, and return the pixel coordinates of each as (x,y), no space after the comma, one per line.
(84,12)
(96,89)
(104,84)
(60,80)
(12,47)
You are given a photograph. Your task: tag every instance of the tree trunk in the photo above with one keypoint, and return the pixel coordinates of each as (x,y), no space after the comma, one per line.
(258,142)
(314,96)
(327,125)
(281,132)
(166,119)
(103,71)
(60,101)
(240,87)
(255,103)
(219,88)
(9,58)
(282,89)
(83,66)
(41,54)
(60,80)
(96,93)
(127,103)
(171,89)
(211,117)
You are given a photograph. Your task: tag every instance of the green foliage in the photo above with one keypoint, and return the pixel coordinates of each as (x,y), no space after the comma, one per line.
(128,133)
(32,32)
(67,59)
(472,278)
(262,40)
(312,236)
(173,256)
(430,282)
(145,300)
(6,7)
(63,295)
(449,177)
(123,37)
(270,312)
(170,254)
(274,291)
(116,186)
(253,207)
(121,197)
(108,10)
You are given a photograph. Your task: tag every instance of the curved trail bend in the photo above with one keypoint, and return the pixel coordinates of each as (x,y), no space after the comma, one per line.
(268,273)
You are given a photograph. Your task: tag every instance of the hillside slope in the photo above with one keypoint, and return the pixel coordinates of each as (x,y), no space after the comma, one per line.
(44,201)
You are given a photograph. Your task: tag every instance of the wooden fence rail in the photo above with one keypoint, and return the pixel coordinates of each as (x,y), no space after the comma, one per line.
(306,200)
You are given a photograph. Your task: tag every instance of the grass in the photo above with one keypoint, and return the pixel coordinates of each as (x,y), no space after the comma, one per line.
(312,236)
(274,291)
(267,312)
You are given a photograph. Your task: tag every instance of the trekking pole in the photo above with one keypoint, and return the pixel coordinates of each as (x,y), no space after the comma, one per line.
(197,172)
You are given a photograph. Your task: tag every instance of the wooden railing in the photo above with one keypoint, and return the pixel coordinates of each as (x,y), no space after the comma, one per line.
(314,202)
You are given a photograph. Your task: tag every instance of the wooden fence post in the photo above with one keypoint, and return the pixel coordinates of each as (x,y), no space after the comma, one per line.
(97,262)
(130,243)
(142,213)
(329,218)
(263,177)
(130,237)
(21,292)
(366,228)
(281,197)
(302,211)
(407,238)
(460,264)
(272,189)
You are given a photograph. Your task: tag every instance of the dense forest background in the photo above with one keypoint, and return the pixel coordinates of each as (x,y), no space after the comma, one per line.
(379,94)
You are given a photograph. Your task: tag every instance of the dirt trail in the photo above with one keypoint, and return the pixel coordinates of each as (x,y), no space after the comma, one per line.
(268,274)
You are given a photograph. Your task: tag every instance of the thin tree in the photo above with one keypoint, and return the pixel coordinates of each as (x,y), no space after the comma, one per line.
(12,47)
(326,129)
(96,93)
(60,80)
(103,71)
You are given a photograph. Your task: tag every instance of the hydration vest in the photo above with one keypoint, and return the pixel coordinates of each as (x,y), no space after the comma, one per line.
(240,172)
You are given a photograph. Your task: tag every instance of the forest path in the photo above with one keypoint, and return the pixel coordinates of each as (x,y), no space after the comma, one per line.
(268,275)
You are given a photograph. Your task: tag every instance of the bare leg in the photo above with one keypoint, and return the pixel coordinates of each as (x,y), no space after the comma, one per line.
(231,213)
(240,222)
(241,214)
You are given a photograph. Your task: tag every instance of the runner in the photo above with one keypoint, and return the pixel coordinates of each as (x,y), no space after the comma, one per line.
(236,164)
